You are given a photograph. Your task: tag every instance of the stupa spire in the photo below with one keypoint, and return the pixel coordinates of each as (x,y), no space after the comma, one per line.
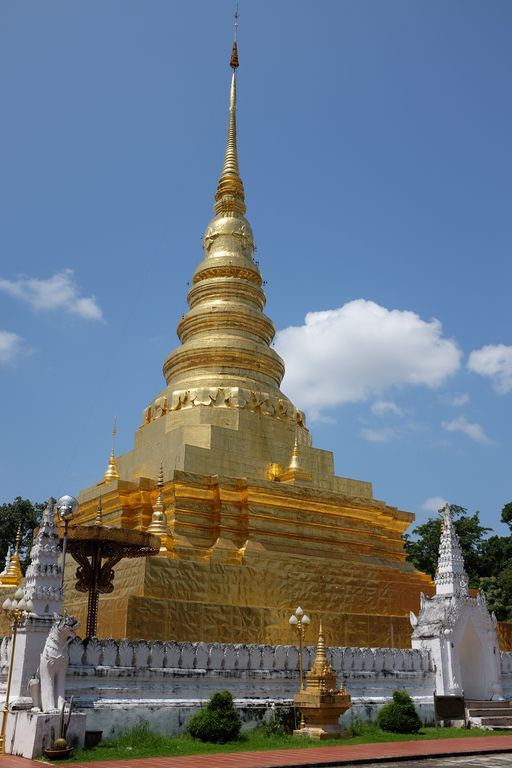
(99,513)
(112,472)
(451,577)
(230,197)
(158,524)
(225,335)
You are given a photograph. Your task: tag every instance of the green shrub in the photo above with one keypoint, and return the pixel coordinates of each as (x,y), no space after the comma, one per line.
(399,716)
(218,722)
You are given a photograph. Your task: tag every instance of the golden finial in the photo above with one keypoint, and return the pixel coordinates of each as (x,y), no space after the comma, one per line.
(158,524)
(99,513)
(230,197)
(112,472)
(233,62)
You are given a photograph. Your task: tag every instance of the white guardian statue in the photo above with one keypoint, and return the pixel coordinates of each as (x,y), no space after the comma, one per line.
(48,693)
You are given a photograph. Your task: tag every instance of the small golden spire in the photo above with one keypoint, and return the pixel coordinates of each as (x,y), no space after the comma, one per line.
(295,471)
(12,574)
(112,472)
(230,197)
(321,671)
(320,648)
(99,513)
(295,460)
(158,524)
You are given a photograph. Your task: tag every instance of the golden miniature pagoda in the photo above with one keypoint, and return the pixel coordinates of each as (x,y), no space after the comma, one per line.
(255,519)
(12,576)
(321,703)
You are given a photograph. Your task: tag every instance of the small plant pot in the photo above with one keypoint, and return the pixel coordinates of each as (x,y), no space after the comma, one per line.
(92,739)
(58,754)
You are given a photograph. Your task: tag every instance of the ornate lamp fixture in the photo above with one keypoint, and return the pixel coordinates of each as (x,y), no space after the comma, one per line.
(300,621)
(66,506)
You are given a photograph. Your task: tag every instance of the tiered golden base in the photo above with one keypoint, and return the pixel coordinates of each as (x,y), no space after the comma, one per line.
(242,555)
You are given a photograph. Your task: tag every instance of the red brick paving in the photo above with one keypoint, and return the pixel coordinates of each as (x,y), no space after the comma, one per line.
(309,756)
(318,756)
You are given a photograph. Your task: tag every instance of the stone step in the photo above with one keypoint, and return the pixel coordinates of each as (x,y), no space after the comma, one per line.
(478,704)
(487,712)
(494,721)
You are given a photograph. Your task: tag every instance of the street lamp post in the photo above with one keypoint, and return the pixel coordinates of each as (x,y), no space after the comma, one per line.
(17,611)
(299,621)
(67,506)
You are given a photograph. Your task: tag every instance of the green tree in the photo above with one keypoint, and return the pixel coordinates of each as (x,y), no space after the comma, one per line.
(498,596)
(22,513)
(498,592)
(506,515)
(495,554)
(423,549)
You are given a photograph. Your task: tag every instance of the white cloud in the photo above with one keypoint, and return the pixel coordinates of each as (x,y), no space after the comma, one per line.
(383,407)
(459,400)
(495,362)
(433,504)
(57,292)
(471,429)
(10,346)
(361,350)
(379,435)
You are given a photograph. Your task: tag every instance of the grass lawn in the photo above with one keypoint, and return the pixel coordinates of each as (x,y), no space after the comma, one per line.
(142,743)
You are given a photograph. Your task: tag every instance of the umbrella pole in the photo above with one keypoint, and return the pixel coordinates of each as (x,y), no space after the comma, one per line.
(94,595)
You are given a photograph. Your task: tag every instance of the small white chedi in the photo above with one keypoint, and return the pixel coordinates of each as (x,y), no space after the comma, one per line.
(457,628)
(43,589)
(41,652)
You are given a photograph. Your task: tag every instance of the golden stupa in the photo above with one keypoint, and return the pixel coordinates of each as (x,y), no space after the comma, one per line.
(12,575)
(253,519)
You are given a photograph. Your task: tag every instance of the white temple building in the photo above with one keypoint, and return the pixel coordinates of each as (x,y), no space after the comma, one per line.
(457,629)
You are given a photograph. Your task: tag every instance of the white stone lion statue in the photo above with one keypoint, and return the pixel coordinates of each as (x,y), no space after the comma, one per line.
(48,692)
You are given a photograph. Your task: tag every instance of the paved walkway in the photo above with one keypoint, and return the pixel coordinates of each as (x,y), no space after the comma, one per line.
(309,756)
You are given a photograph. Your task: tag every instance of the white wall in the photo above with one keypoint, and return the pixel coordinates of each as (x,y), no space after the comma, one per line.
(120,683)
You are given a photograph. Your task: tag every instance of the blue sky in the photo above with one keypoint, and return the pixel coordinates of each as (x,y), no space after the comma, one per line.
(374,142)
